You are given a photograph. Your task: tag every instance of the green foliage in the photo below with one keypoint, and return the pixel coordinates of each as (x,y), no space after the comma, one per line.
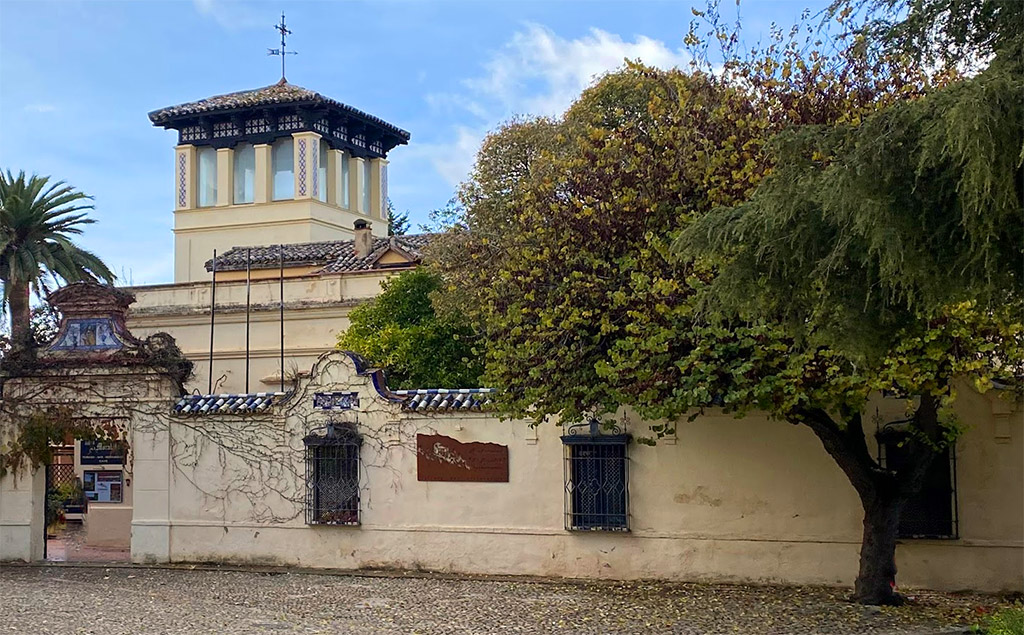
(398,223)
(400,332)
(564,256)
(59,497)
(28,441)
(864,229)
(941,33)
(1009,621)
(37,219)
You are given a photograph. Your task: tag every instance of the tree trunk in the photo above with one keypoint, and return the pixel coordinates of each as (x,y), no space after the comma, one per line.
(876,579)
(21,316)
(882,494)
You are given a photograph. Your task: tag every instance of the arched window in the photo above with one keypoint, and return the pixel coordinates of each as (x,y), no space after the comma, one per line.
(283,162)
(321,192)
(245,173)
(207,159)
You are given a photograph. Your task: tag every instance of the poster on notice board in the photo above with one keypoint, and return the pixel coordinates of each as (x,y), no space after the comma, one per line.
(103,487)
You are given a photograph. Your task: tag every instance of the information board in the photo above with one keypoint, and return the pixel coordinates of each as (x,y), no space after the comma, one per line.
(103,452)
(103,486)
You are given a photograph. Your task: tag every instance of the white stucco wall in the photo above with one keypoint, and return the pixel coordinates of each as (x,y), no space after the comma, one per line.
(750,499)
(316,311)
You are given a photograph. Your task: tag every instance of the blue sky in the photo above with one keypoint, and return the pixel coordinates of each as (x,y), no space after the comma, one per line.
(77,80)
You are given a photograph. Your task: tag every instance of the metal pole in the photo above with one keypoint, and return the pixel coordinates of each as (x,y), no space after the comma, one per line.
(280,260)
(248,280)
(213,308)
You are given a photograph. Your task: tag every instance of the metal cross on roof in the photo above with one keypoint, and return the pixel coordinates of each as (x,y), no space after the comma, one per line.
(280,28)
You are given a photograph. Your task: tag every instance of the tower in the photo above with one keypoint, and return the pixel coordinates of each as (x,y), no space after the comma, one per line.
(279,164)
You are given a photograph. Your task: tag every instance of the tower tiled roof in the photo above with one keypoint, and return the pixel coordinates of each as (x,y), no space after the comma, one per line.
(335,256)
(279,93)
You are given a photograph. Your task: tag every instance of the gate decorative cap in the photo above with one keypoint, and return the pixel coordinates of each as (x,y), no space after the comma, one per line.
(92,318)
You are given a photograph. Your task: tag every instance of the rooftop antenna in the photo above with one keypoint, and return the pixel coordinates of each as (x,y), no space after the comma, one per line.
(283,30)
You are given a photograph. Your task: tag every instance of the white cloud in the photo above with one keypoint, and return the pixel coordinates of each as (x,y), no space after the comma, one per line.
(231,15)
(40,108)
(536,72)
(539,73)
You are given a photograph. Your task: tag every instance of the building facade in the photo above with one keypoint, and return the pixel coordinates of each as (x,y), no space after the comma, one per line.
(295,184)
(343,472)
(282,451)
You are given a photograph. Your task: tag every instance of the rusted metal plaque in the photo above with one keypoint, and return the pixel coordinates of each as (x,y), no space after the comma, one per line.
(440,458)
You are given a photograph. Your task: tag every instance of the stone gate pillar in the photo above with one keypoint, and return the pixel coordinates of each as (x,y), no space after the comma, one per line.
(95,372)
(151,521)
(22,515)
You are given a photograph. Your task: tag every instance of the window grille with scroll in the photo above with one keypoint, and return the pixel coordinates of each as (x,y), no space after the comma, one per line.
(596,480)
(332,475)
(932,512)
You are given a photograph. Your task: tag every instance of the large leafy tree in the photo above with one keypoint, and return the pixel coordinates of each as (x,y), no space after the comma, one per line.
(400,332)
(885,255)
(37,220)
(569,260)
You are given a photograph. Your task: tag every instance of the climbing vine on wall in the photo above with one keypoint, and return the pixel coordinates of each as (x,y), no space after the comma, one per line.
(29,443)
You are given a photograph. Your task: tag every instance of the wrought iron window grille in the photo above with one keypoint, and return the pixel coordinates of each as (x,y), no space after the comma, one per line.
(332,475)
(934,512)
(596,474)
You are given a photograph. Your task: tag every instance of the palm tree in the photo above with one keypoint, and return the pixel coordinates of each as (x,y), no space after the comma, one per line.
(36,220)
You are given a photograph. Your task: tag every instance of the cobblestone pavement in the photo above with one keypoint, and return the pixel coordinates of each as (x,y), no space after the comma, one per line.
(61,599)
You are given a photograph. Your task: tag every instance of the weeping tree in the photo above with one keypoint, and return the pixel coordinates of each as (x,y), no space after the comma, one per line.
(593,248)
(37,220)
(883,256)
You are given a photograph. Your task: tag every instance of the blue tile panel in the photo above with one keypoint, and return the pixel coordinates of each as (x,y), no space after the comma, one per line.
(445,400)
(227,403)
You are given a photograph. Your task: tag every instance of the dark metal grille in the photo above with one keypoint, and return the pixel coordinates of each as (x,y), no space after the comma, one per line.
(596,483)
(358,141)
(253,126)
(322,126)
(933,511)
(225,129)
(193,133)
(332,476)
(341,132)
(289,122)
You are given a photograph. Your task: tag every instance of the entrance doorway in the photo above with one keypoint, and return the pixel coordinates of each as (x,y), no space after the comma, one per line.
(88,505)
